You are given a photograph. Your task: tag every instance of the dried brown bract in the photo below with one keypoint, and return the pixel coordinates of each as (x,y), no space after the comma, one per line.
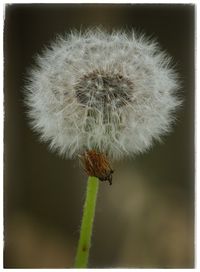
(96,164)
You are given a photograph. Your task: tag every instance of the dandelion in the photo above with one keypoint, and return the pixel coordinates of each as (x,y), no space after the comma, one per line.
(102,96)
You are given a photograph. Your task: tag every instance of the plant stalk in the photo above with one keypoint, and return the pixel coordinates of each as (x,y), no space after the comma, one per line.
(82,254)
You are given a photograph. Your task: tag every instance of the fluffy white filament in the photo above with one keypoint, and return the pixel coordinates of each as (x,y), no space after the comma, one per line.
(115,93)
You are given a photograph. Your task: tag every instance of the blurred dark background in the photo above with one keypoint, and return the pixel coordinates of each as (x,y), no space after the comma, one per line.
(146,218)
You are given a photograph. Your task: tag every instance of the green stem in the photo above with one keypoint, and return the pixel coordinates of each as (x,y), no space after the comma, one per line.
(84,243)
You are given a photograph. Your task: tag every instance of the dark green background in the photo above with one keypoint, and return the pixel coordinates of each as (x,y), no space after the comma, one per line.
(146,218)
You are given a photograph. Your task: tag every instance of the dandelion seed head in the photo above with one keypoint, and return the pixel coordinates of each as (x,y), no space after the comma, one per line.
(110,92)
